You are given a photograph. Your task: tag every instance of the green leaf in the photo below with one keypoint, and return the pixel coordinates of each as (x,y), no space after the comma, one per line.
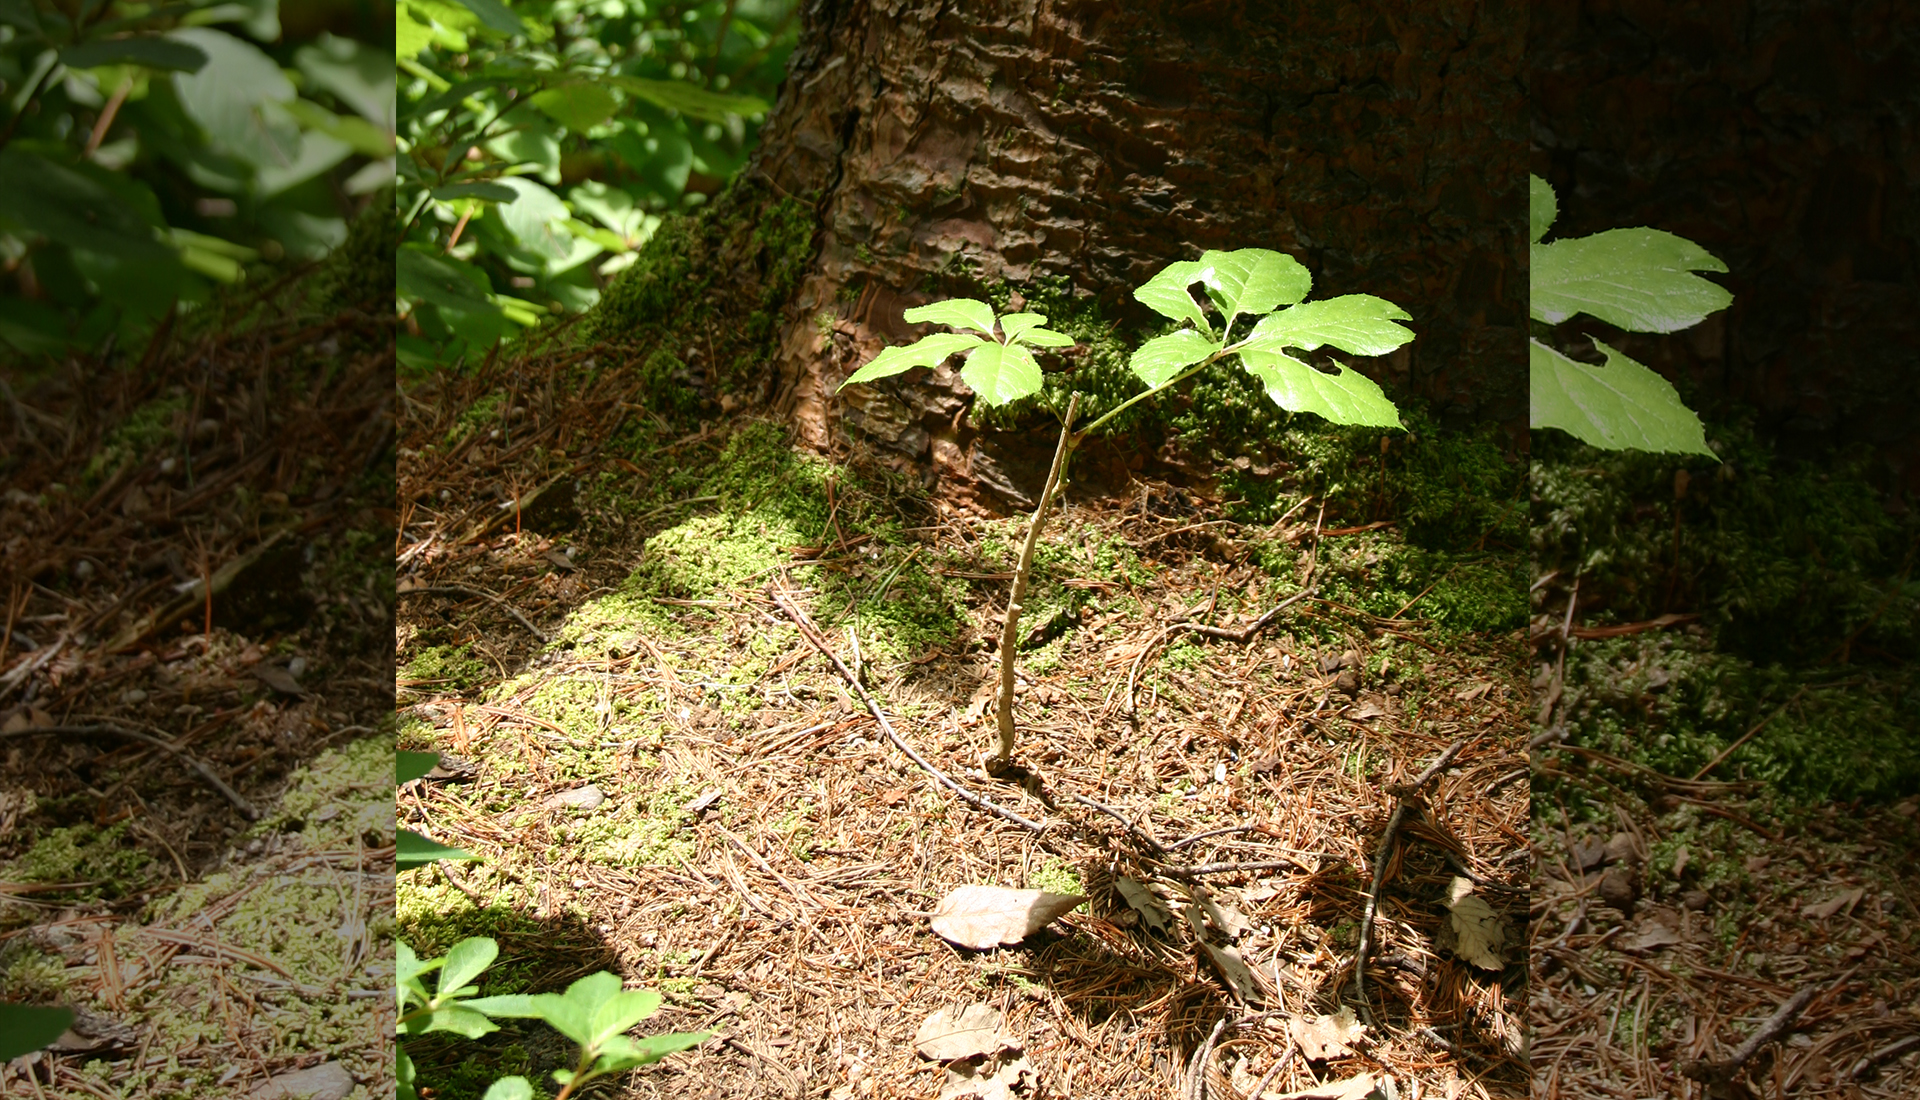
(409,766)
(234,99)
(495,15)
(928,351)
(1013,324)
(1045,338)
(958,312)
(1346,397)
(357,133)
(1541,208)
(1253,280)
(536,218)
(466,961)
(1356,323)
(490,192)
(1000,374)
(359,76)
(19,13)
(1622,406)
(1161,359)
(509,1088)
(415,850)
(441,280)
(458,1019)
(578,106)
(655,1047)
(662,159)
(690,100)
(24,1030)
(410,35)
(1637,279)
(67,206)
(1167,293)
(403,1076)
(154,53)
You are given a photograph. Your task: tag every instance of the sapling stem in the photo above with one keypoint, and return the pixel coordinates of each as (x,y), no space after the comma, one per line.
(1010,629)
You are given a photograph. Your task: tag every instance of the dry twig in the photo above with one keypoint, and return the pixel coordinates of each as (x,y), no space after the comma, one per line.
(1401,797)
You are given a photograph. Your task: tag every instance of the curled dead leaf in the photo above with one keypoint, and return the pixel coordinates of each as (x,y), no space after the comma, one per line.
(1478,928)
(991,916)
(954,1033)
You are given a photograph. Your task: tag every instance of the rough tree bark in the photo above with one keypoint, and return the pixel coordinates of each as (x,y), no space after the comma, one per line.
(1381,144)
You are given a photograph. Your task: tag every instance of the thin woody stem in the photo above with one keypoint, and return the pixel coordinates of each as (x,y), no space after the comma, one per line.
(1009,630)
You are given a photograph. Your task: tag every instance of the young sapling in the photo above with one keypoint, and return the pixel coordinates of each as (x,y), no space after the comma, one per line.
(1245,288)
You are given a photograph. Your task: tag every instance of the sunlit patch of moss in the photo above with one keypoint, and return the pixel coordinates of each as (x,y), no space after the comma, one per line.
(1056,876)
(452,666)
(327,797)
(640,829)
(478,416)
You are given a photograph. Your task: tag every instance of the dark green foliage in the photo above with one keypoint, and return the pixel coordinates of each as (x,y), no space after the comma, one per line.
(1803,581)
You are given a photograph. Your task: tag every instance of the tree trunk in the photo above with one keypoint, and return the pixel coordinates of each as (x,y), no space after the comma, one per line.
(941,146)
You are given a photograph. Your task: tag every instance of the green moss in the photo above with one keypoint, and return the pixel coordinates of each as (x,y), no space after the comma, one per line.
(717,281)
(151,428)
(359,274)
(97,857)
(1056,876)
(1807,607)
(449,666)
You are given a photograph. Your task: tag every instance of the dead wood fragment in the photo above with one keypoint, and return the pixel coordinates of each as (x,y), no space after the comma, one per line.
(812,634)
(1380,871)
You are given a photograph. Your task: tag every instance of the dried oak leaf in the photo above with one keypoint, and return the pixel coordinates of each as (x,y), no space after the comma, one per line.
(1327,1036)
(1478,927)
(954,1033)
(1142,899)
(991,916)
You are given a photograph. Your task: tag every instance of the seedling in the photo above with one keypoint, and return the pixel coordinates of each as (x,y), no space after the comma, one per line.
(1245,287)
(1641,280)
(594,1012)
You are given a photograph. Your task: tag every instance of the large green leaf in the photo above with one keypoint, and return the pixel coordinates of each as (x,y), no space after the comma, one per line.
(928,351)
(409,766)
(1000,374)
(1637,279)
(441,280)
(1167,294)
(1013,324)
(490,192)
(662,159)
(40,196)
(689,99)
(235,99)
(410,35)
(414,850)
(359,75)
(537,219)
(1621,406)
(1541,208)
(1253,280)
(154,53)
(1356,323)
(1161,359)
(466,961)
(579,106)
(1346,397)
(24,1029)
(495,15)
(958,312)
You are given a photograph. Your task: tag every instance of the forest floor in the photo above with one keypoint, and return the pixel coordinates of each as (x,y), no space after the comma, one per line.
(196,849)
(661,775)
(1726,813)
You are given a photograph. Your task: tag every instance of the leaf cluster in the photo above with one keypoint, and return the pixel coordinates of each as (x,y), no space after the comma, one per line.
(149,153)
(547,142)
(1640,280)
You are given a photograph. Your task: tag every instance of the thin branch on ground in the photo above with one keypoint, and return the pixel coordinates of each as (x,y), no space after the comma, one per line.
(246,808)
(1402,796)
(1720,1072)
(1238,637)
(462,590)
(812,634)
